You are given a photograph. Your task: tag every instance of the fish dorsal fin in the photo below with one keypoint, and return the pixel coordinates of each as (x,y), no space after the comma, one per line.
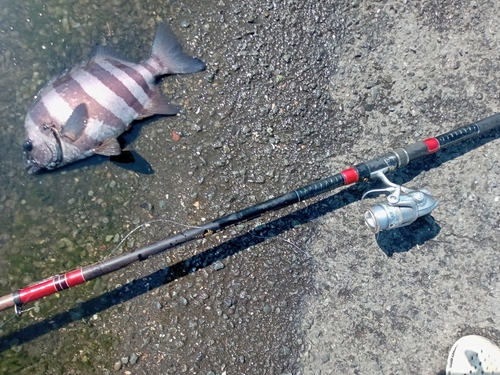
(106,52)
(109,147)
(76,123)
(159,105)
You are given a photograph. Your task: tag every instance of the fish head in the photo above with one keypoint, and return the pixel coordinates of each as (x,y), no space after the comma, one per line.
(41,147)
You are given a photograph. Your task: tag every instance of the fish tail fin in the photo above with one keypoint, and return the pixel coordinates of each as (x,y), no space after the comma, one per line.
(167,49)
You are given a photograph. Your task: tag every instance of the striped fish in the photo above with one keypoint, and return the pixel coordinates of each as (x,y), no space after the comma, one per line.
(83,111)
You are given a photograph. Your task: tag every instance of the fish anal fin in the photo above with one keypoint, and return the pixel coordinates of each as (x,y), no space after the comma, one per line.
(159,105)
(76,123)
(109,147)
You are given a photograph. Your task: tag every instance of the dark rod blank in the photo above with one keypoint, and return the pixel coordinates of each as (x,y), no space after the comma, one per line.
(360,172)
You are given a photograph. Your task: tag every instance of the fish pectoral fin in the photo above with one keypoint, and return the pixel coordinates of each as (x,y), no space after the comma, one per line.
(76,123)
(159,105)
(109,147)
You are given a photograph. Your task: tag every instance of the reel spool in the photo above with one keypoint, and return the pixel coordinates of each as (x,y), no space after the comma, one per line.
(403,206)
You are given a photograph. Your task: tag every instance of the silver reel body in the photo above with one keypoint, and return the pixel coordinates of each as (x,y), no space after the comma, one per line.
(402,208)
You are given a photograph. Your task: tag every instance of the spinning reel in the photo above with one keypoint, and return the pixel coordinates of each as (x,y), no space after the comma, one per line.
(402,208)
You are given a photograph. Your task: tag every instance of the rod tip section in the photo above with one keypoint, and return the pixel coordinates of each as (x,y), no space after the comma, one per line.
(7,302)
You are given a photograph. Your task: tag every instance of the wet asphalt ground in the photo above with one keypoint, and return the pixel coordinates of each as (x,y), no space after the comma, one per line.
(294,91)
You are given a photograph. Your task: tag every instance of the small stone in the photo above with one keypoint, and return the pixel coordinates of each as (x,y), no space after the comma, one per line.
(210,77)
(117,366)
(217,266)
(287,58)
(283,303)
(185,24)
(325,357)
(146,206)
(133,359)
(124,360)
(260,180)
(422,86)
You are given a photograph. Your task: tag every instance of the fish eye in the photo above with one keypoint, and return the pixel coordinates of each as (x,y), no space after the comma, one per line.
(28,145)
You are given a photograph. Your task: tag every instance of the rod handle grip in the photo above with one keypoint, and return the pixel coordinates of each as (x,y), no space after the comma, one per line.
(489,123)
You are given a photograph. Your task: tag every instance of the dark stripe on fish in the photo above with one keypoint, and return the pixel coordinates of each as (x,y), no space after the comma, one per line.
(70,89)
(40,112)
(153,68)
(134,74)
(115,85)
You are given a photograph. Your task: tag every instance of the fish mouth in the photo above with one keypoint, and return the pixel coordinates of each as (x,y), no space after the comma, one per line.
(34,169)
(31,167)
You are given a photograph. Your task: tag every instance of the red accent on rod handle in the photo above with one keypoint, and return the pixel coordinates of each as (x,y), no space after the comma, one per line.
(75,278)
(37,291)
(50,286)
(432,145)
(350,176)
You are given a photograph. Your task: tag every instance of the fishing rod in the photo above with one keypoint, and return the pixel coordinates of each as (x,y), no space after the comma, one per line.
(403,207)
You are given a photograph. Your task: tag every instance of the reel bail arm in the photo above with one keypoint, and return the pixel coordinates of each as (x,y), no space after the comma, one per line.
(402,208)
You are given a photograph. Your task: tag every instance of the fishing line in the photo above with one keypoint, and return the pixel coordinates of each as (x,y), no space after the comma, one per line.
(15,316)
(147,224)
(252,232)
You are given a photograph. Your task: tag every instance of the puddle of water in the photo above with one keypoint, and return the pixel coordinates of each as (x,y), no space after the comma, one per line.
(55,222)
(235,150)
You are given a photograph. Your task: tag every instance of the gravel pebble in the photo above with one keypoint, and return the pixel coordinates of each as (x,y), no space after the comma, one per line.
(218,265)
(422,86)
(133,358)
